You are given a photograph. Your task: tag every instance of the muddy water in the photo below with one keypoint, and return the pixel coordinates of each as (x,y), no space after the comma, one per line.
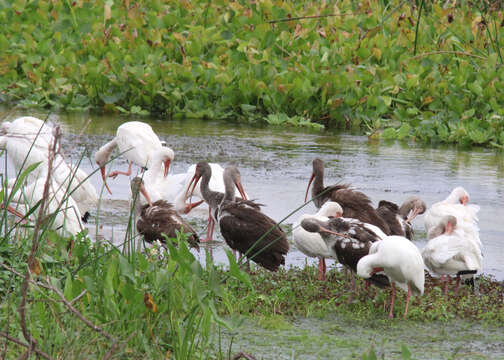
(275,164)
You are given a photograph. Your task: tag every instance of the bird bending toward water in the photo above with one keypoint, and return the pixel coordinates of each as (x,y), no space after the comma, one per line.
(159,218)
(401,262)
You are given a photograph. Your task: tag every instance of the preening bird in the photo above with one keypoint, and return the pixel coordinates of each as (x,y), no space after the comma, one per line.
(399,218)
(311,244)
(401,262)
(136,141)
(159,218)
(453,252)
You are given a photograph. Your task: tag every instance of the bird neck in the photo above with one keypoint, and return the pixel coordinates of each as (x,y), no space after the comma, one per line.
(104,153)
(211,197)
(366,265)
(229,187)
(318,183)
(405,209)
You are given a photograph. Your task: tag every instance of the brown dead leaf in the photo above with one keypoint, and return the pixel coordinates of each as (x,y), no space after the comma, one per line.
(35,267)
(298,31)
(149,302)
(428,100)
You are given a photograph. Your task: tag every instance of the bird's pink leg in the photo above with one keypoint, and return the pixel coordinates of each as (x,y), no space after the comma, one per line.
(322,269)
(210,227)
(447,282)
(407,301)
(113,174)
(391,313)
(457,286)
(367,285)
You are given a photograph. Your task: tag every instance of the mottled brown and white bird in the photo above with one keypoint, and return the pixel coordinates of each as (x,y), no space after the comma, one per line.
(399,218)
(246,229)
(400,260)
(159,218)
(355,204)
(349,240)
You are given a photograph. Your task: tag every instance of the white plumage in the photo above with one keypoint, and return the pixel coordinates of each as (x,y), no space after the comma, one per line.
(401,262)
(311,243)
(25,148)
(136,140)
(449,253)
(455,205)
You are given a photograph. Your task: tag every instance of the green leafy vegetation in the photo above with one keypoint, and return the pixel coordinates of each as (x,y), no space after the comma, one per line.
(391,69)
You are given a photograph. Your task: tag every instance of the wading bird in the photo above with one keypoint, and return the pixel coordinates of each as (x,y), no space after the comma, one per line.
(311,244)
(400,260)
(159,218)
(453,252)
(399,218)
(246,229)
(136,141)
(354,203)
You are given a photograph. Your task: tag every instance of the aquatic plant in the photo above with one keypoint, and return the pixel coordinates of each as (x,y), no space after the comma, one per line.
(396,71)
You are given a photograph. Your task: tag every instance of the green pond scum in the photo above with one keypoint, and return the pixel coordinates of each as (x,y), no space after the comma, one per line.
(430,71)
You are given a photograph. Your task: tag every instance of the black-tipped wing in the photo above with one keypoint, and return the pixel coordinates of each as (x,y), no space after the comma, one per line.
(242,226)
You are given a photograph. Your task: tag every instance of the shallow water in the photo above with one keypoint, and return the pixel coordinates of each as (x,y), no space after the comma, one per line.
(334,337)
(275,164)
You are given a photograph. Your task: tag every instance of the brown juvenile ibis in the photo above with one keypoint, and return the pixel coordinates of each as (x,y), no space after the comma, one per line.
(399,218)
(355,204)
(349,240)
(213,198)
(246,229)
(159,218)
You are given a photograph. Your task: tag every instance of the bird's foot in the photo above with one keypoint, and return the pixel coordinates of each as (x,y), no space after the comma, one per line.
(113,174)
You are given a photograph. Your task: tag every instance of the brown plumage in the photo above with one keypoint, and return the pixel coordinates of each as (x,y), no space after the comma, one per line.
(349,240)
(161,218)
(399,218)
(243,224)
(355,204)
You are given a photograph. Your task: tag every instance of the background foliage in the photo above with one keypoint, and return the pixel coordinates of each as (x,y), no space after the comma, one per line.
(432,71)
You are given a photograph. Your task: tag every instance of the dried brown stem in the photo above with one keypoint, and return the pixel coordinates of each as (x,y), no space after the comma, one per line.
(20,343)
(35,243)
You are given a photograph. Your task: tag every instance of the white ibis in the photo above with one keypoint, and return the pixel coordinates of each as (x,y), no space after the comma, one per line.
(27,141)
(136,140)
(246,229)
(159,218)
(212,195)
(349,240)
(401,262)
(312,244)
(399,218)
(354,203)
(61,208)
(453,252)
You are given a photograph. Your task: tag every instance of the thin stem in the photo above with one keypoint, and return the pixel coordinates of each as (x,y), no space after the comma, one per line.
(417,25)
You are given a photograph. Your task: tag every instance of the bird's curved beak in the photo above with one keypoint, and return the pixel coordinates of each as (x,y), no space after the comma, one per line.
(102,170)
(464,200)
(194,179)
(326,230)
(166,167)
(449,228)
(143,191)
(413,214)
(376,270)
(240,189)
(308,188)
